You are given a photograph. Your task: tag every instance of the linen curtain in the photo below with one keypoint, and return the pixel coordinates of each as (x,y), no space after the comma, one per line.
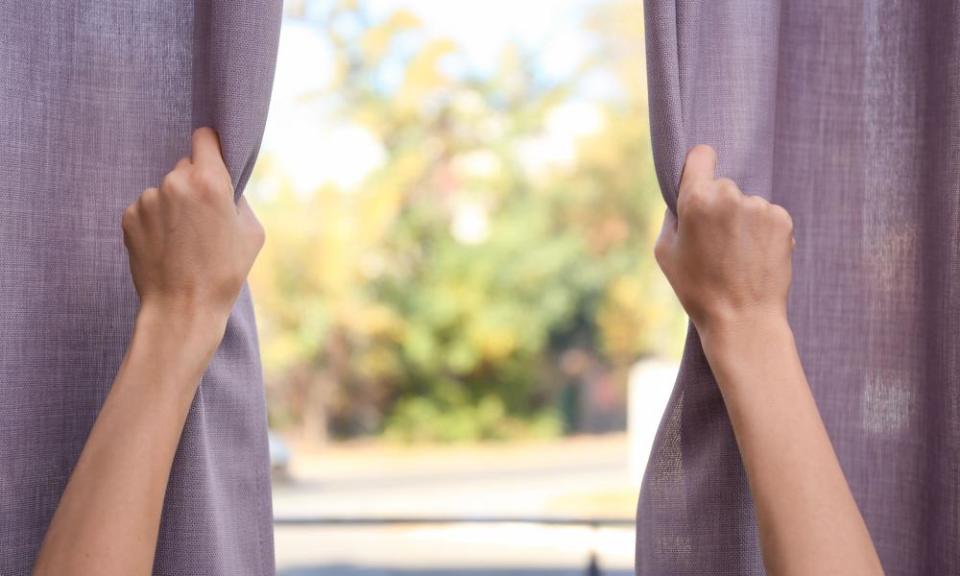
(98,99)
(847,114)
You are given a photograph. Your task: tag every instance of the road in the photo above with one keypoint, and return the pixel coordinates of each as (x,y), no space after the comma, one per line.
(578,478)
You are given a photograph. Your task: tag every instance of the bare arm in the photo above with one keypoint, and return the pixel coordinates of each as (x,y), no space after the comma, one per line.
(190,250)
(728,257)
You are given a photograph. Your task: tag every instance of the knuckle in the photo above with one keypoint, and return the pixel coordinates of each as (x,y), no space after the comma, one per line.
(756,203)
(783,217)
(258,233)
(727,193)
(149,197)
(172,182)
(129,217)
(659,252)
(727,186)
(206,179)
(692,201)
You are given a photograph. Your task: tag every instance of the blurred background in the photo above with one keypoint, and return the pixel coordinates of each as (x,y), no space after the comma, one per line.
(467,344)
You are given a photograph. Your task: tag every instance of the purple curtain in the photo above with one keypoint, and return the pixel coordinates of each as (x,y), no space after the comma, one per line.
(97,101)
(847,114)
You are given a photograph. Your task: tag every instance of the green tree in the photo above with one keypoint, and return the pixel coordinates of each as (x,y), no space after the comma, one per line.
(443,298)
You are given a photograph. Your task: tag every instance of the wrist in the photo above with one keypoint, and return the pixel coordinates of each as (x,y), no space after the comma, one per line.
(725,332)
(740,342)
(192,334)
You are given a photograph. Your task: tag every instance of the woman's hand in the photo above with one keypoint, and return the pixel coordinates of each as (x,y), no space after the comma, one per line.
(190,245)
(726,254)
(190,250)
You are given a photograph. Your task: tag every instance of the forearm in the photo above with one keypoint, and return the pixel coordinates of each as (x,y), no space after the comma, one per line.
(109,515)
(809,522)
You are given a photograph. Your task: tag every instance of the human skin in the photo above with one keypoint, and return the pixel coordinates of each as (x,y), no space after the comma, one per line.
(190,248)
(728,257)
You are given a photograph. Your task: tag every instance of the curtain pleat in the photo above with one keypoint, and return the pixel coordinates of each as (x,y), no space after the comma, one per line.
(98,99)
(848,114)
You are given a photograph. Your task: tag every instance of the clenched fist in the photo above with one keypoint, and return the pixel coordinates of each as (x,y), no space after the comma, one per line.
(726,254)
(190,245)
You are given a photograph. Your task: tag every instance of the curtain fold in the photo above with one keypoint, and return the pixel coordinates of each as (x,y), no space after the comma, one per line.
(848,114)
(98,99)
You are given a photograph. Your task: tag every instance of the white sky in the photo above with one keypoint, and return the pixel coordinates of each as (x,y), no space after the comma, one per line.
(483,28)
(314,148)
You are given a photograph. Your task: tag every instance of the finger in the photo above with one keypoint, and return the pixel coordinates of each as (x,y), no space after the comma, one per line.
(668,234)
(246,215)
(129,219)
(243,209)
(206,147)
(149,197)
(182,163)
(751,201)
(668,231)
(250,221)
(700,166)
(148,206)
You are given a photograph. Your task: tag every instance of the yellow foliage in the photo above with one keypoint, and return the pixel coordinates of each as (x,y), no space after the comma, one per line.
(424,74)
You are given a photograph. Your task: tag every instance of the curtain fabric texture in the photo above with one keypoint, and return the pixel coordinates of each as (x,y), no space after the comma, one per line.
(847,114)
(98,99)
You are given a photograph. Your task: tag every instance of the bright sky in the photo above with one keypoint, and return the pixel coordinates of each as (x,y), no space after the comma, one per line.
(314,148)
(484,28)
